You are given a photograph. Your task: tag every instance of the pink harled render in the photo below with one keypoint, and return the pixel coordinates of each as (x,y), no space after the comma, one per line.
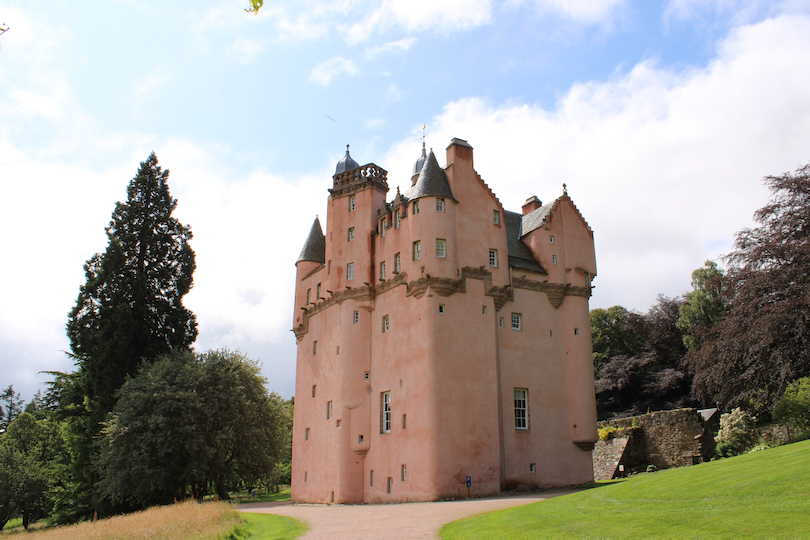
(472,359)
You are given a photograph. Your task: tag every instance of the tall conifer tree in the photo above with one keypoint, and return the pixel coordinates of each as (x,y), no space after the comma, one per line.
(130,309)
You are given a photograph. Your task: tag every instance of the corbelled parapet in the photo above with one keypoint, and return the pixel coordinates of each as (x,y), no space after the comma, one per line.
(359,178)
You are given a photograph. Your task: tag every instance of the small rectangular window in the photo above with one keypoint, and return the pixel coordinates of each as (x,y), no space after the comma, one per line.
(441,308)
(385,326)
(496,217)
(318,292)
(315,346)
(382,270)
(306,434)
(532,468)
(441,248)
(337,350)
(305,476)
(500,322)
(350,271)
(329,267)
(550,239)
(385,412)
(415,207)
(352,202)
(309,293)
(404,472)
(516,321)
(404,419)
(554,260)
(371,478)
(417,250)
(521,408)
(367,375)
(439,204)
(390,488)
(493,258)
(313,390)
(359,439)
(337,424)
(484,310)
(351,234)
(328,410)
(576,331)
(356,317)
(396,263)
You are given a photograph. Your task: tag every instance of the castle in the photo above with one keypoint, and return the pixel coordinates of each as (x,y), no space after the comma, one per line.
(444,342)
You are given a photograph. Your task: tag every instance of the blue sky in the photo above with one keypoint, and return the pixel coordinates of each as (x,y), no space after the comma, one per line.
(661,118)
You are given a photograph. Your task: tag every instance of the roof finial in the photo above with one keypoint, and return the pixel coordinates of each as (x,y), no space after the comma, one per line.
(423,135)
(565,189)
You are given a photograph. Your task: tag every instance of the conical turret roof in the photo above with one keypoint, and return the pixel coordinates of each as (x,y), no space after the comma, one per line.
(315,246)
(347,163)
(432,181)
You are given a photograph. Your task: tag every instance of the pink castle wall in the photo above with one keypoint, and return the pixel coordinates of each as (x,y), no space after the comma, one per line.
(451,374)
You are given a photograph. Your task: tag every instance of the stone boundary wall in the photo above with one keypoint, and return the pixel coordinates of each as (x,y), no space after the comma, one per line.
(665,439)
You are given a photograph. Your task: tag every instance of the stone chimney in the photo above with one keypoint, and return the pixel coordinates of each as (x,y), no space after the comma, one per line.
(531,204)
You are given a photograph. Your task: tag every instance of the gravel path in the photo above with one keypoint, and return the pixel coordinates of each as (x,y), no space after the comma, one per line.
(405,521)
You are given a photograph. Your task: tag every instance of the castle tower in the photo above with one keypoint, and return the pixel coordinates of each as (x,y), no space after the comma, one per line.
(441,337)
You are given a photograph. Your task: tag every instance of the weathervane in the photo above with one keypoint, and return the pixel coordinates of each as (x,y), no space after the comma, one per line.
(423,135)
(565,190)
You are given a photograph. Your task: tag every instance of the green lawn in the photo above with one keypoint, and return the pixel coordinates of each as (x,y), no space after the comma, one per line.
(272,527)
(242,497)
(766,493)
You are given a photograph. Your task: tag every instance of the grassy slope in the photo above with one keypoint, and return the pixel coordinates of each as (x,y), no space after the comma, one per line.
(762,494)
(272,527)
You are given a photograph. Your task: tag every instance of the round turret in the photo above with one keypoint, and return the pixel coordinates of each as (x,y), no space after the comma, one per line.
(347,163)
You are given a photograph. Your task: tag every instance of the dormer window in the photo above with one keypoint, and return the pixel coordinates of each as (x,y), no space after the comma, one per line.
(396,220)
(440,204)
(382,227)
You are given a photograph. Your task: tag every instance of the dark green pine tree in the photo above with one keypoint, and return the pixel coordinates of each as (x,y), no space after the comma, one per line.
(131,310)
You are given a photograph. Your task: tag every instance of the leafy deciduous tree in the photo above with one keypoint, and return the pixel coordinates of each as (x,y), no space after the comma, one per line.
(615,332)
(190,424)
(762,344)
(704,304)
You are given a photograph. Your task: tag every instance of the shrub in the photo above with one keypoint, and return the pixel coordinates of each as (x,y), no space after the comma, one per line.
(736,433)
(794,406)
(606,432)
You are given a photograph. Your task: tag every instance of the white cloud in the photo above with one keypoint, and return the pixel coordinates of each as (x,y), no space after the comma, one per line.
(578,11)
(399,47)
(738,11)
(245,51)
(421,15)
(394,93)
(157,78)
(323,73)
(665,166)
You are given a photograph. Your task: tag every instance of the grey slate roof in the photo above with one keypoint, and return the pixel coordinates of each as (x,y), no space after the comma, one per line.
(534,220)
(432,181)
(315,245)
(346,164)
(520,256)
(417,167)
